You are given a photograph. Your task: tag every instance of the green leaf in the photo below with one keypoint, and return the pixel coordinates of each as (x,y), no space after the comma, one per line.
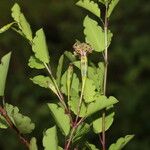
(70,56)
(104,1)
(74,90)
(35,63)
(22,22)
(50,141)
(33,145)
(3,72)
(97,74)
(23,123)
(97,124)
(6,27)
(16,12)
(90,6)
(121,142)
(82,129)
(100,103)
(45,82)
(89,91)
(3,124)
(61,119)
(95,35)
(112,5)
(91,146)
(59,69)
(40,47)
(73,104)
(87,110)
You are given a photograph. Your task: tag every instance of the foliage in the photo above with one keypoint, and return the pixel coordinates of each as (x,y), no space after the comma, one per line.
(84,92)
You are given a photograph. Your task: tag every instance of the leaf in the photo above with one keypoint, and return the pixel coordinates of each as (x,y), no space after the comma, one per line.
(100,103)
(121,142)
(73,104)
(97,124)
(3,124)
(61,119)
(70,56)
(59,69)
(22,22)
(104,1)
(112,5)
(82,129)
(3,72)
(40,47)
(6,27)
(74,84)
(35,63)
(23,123)
(16,12)
(87,110)
(91,146)
(90,6)
(100,73)
(89,91)
(33,145)
(50,141)
(45,82)
(95,35)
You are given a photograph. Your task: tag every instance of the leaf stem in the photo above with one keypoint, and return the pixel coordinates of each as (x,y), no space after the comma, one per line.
(60,96)
(24,141)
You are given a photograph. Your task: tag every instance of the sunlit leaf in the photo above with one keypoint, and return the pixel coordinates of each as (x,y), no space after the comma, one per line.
(40,47)
(74,89)
(6,27)
(35,63)
(104,1)
(100,103)
(74,103)
(3,72)
(59,69)
(23,123)
(33,144)
(45,82)
(90,6)
(95,35)
(19,17)
(61,119)
(87,110)
(97,124)
(112,5)
(89,91)
(121,142)
(50,140)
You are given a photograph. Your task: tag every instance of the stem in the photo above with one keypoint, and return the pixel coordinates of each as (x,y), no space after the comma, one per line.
(60,96)
(80,101)
(67,147)
(12,126)
(105,78)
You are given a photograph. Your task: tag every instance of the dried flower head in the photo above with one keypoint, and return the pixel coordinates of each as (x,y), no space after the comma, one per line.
(82,48)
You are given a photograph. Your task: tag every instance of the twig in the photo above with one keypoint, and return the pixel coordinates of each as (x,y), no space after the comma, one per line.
(12,126)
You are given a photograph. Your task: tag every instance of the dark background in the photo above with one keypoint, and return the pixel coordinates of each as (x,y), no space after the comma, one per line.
(128,77)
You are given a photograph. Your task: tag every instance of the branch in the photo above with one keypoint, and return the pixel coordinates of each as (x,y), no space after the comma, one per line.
(24,141)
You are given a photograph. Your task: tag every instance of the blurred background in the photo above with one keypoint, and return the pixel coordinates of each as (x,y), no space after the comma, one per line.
(129,66)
